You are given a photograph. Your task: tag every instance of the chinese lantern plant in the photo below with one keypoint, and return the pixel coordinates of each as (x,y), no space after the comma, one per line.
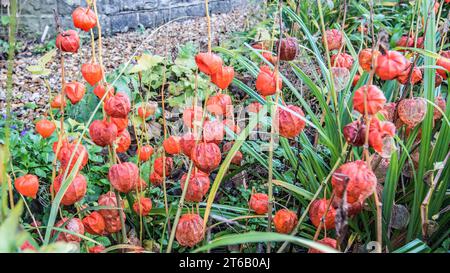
(330,146)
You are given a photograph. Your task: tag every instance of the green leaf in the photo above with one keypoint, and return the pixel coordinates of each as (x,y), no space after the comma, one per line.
(226,163)
(9,230)
(40,172)
(67,180)
(415,246)
(4,20)
(258,237)
(145,62)
(38,70)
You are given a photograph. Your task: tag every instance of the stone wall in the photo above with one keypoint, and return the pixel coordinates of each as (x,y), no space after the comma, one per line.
(116,15)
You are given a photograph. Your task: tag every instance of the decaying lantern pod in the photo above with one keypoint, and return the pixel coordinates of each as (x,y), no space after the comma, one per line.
(103,133)
(388,111)
(147,109)
(118,106)
(124,176)
(197,187)
(213,131)
(187,143)
(317,212)
(76,190)
(333,38)
(27,185)
(208,63)
(74,225)
(416,76)
(172,145)
(223,77)
(160,169)
(412,111)
(92,72)
(354,133)
(155,179)
(438,80)
(190,230)
(365,58)
(220,105)
(237,158)
(361,181)
(400,217)
(113,225)
(84,18)
(145,152)
(206,156)
(341,77)
(75,91)
(409,169)
(109,200)
(123,141)
(142,206)
(285,221)
(442,105)
(66,152)
(267,80)
(94,223)
(325,241)
(288,48)
(68,41)
(259,202)
(45,128)
(100,91)
(342,60)
(290,125)
(374,97)
(390,65)
(380,167)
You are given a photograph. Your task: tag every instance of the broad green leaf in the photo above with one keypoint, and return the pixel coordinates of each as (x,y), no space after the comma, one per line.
(145,62)
(9,230)
(38,70)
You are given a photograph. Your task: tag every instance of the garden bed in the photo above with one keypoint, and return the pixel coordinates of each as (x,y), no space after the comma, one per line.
(30,95)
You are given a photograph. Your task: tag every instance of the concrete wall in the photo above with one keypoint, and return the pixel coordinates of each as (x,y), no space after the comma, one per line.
(116,15)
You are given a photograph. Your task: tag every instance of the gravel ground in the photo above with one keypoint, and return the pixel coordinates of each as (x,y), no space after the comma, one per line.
(30,96)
